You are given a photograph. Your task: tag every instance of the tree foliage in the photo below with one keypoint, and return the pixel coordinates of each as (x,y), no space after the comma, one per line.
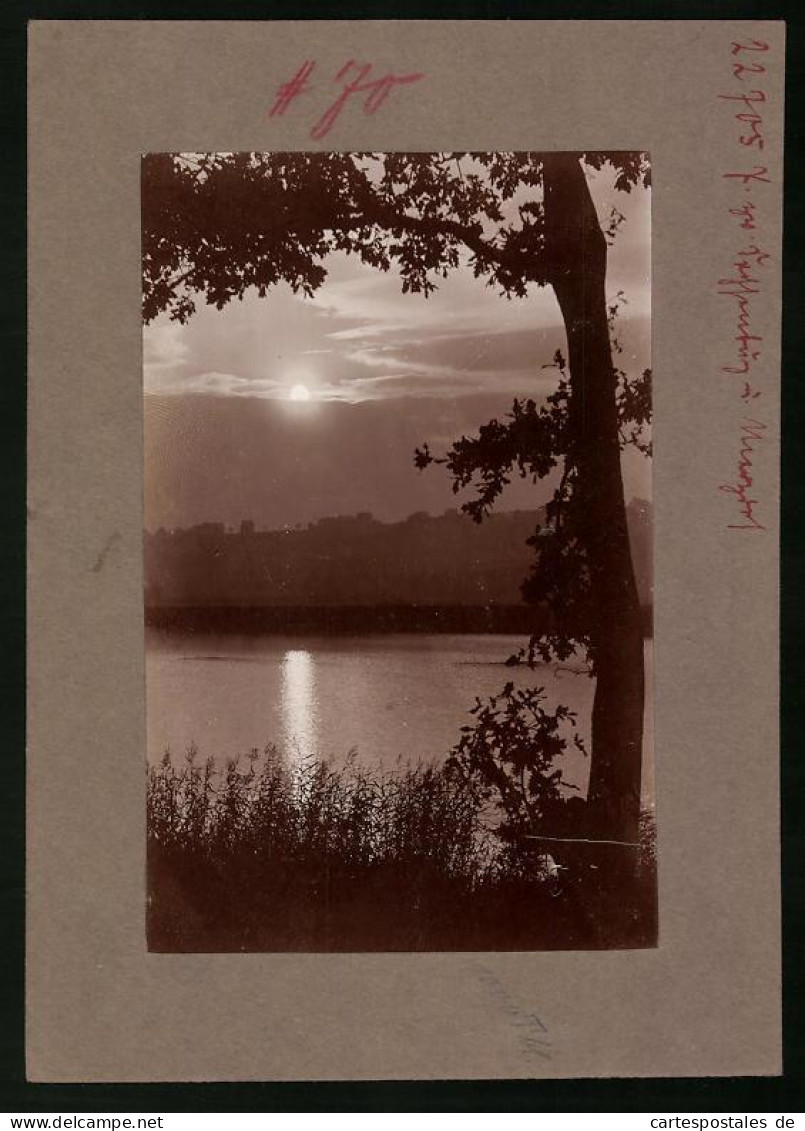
(510,756)
(531,442)
(216,225)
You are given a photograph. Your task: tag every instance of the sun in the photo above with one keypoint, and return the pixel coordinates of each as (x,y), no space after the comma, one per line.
(299,393)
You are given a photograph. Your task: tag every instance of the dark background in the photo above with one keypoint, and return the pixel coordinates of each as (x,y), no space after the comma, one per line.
(784,1094)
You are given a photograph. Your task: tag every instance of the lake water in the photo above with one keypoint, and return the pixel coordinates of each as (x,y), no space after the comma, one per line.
(387,697)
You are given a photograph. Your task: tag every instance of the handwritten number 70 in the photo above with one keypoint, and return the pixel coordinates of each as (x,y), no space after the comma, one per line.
(375,92)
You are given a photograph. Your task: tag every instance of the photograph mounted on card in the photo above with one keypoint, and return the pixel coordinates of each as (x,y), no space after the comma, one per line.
(378,720)
(404,435)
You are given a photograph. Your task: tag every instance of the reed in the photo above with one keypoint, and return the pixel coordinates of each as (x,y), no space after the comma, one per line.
(256,854)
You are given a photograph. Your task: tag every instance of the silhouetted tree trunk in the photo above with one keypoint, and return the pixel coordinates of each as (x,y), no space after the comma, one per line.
(576,251)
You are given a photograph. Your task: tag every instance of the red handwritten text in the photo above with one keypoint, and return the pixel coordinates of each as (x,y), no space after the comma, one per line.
(741,286)
(746,214)
(355,79)
(288,91)
(758,174)
(751,434)
(749,116)
(744,283)
(752,45)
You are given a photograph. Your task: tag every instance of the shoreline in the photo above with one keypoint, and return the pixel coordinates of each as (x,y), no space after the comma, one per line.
(352,620)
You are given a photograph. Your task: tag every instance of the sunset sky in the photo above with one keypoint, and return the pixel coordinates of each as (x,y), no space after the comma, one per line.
(380,372)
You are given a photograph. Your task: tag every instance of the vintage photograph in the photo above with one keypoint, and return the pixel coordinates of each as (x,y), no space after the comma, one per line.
(398,551)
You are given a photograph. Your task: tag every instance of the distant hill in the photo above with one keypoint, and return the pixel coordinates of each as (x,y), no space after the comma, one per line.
(355,561)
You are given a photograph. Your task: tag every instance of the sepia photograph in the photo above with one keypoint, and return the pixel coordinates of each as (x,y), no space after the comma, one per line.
(398,551)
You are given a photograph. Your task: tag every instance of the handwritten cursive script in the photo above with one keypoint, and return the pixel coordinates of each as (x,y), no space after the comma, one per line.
(751,434)
(743,285)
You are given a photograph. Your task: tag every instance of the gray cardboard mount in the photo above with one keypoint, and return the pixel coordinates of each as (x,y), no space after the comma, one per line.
(707,1000)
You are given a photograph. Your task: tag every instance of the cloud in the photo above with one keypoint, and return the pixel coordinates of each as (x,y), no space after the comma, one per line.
(377,308)
(165,353)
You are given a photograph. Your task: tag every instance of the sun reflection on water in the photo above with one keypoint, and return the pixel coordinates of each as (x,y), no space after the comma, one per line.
(299,722)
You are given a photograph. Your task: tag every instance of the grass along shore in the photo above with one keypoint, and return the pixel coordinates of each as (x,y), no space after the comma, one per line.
(257,855)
